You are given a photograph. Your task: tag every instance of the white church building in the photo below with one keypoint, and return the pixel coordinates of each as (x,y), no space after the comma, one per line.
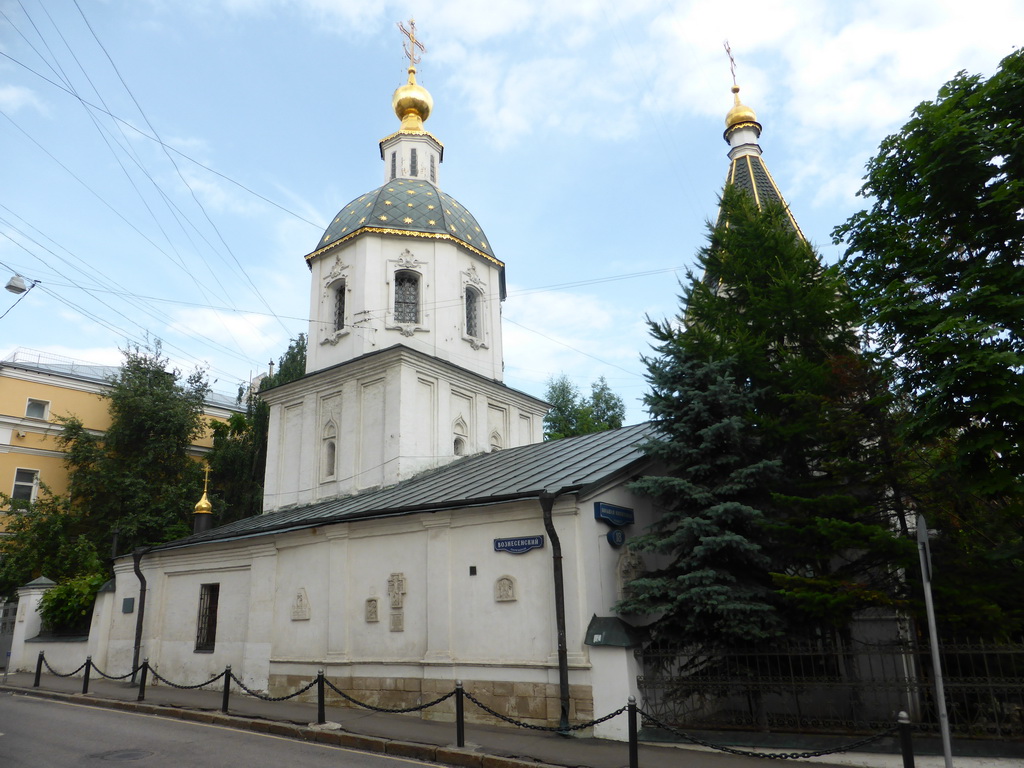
(417,531)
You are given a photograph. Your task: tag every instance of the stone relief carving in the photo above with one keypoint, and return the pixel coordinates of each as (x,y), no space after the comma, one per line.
(397,622)
(396,589)
(300,605)
(407,260)
(505,590)
(472,276)
(372,610)
(338,269)
(630,566)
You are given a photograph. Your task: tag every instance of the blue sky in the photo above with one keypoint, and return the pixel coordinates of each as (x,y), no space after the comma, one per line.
(165,165)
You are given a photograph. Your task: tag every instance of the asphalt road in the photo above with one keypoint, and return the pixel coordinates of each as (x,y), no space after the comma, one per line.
(39,733)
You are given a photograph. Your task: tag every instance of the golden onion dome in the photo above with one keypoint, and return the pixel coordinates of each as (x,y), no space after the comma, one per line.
(204,507)
(412,104)
(740,113)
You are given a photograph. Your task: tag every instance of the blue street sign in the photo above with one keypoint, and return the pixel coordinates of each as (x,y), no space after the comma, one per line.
(613,515)
(519,545)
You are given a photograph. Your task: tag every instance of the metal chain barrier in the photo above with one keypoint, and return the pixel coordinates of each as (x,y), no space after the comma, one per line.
(259,695)
(157,676)
(770,755)
(101,673)
(58,674)
(552,728)
(397,711)
(227,675)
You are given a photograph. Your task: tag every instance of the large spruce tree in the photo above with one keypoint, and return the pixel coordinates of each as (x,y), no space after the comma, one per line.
(792,495)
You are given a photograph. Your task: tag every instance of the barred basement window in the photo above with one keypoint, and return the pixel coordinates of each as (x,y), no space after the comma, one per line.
(414,167)
(339,306)
(206,630)
(472,313)
(407,297)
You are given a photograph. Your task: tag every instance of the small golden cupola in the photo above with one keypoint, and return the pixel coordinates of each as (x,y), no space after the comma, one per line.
(740,116)
(412,102)
(202,519)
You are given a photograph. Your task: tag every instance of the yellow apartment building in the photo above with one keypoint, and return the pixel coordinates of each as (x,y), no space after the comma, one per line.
(36,388)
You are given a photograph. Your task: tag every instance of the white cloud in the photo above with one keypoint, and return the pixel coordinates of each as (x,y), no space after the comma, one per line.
(552,332)
(247,334)
(15,97)
(218,194)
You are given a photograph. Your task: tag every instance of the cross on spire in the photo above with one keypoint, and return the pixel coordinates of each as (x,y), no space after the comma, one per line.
(410,47)
(732,61)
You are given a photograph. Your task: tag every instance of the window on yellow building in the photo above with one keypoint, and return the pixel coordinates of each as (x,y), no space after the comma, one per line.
(37,409)
(26,485)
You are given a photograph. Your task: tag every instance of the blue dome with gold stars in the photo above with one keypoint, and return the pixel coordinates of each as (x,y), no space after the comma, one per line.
(410,207)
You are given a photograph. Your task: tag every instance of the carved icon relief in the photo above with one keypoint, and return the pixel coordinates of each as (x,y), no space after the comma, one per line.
(505,590)
(372,612)
(396,589)
(300,606)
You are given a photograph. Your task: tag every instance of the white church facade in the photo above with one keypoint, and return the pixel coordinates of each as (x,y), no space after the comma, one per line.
(417,531)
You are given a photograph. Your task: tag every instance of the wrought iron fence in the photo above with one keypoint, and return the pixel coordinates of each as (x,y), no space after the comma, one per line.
(830,688)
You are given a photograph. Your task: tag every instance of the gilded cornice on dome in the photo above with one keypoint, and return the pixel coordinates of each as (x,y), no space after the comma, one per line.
(737,126)
(405,233)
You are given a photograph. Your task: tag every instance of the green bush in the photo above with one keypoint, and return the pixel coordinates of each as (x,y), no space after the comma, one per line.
(67,607)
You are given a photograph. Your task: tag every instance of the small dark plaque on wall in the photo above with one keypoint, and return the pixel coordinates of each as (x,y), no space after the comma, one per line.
(128,605)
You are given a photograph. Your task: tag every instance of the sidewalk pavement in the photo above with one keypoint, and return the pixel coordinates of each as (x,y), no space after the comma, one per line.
(487,746)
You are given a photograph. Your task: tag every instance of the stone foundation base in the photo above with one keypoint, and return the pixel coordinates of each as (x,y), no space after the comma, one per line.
(531,703)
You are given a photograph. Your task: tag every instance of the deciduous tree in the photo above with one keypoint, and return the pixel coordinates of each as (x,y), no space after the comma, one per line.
(239,456)
(139,477)
(575,414)
(937,262)
(937,267)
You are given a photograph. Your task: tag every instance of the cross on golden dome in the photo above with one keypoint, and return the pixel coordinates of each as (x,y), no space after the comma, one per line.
(413,44)
(412,102)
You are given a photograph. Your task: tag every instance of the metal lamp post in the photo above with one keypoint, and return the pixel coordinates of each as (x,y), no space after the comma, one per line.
(925,554)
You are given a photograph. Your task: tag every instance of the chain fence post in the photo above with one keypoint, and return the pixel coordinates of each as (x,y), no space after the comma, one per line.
(142,680)
(321,715)
(85,677)
(227,689)
(906,740)
(634,759)
(460,716)
(39,669)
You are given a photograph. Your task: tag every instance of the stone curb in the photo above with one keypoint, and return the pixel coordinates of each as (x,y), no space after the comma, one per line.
(451,756)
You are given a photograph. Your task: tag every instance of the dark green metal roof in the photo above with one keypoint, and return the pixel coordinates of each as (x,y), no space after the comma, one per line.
(611,630)
(573,464)
(749,172)
(408,207)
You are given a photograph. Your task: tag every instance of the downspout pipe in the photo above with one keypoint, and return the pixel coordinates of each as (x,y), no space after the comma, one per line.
(137,556)
(547,501)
